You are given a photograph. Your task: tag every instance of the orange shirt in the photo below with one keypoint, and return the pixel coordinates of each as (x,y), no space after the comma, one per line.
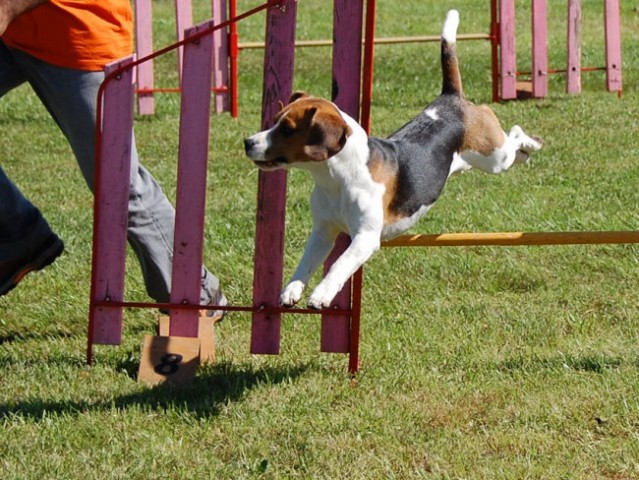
(79,34)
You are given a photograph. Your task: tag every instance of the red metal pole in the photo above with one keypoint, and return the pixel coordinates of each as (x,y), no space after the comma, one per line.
(356,314)
(494,48)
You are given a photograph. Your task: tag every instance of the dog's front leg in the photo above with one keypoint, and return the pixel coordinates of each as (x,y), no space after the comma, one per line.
(318,247)
(362,246)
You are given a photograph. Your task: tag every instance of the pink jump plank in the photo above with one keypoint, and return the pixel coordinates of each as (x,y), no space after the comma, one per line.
(573,54)
(233,41)
(507,61)
(113,173)
(220,57)
(368,65)
(540,49)
(144,47)
(234,53)
(271,196)
(613,45)
(347,55)
(183,20)
(195,112)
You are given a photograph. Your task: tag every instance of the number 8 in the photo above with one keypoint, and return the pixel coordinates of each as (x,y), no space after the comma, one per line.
(168,364)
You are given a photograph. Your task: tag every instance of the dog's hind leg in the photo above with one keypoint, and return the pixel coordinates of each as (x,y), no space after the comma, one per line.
(516,148)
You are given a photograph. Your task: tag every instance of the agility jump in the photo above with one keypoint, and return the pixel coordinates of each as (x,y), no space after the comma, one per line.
(225,92)
(506,79)
(340,323)
(540,70)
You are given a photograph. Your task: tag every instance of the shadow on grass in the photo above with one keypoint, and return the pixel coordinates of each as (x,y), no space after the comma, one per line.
(23,336)
(211,390)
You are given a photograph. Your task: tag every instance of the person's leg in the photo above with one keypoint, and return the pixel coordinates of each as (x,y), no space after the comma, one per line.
(27,242)
(71,98)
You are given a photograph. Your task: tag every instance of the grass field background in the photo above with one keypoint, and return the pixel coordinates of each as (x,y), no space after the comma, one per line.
(477,363)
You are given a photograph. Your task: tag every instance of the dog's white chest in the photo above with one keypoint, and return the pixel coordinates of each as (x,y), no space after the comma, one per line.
(352,202)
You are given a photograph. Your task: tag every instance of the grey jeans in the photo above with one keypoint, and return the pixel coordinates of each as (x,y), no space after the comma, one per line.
(70,96)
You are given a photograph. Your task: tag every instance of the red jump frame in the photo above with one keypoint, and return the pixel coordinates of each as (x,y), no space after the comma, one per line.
(539,75)
(222,54)
(340,323)
(113,153)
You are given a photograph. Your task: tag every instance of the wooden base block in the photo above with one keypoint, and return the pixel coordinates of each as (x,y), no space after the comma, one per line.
(524,90)
(206,334)
(170,360)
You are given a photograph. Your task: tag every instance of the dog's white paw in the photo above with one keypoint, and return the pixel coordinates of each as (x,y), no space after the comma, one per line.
(322,296)
(531,145)
(292,293)
(538,142)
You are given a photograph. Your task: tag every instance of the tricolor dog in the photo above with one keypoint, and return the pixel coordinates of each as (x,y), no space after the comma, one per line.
(374,189)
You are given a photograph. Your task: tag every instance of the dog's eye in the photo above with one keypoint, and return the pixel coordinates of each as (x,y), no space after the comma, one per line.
(286,130)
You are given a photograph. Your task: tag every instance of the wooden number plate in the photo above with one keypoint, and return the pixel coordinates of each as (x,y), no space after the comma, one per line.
(170,360)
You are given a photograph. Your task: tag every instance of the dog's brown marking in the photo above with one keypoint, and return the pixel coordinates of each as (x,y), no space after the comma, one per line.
(452,82)
(309,129)
(483,133)
(385,173)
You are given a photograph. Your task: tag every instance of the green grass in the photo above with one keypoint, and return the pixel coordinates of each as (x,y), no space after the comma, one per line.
(478,363)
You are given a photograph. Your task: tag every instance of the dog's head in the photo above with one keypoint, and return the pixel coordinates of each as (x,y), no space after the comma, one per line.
(308,129)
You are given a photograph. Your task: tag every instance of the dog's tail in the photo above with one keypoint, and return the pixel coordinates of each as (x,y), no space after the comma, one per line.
(452,83)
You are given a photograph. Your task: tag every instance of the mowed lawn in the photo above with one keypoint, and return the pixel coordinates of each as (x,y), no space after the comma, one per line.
(477,362)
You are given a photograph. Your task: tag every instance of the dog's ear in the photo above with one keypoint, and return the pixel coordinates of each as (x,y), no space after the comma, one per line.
(327,139)
(297,95)
(309,113)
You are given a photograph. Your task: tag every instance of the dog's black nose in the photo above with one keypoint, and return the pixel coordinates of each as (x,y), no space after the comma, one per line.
(248,144)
